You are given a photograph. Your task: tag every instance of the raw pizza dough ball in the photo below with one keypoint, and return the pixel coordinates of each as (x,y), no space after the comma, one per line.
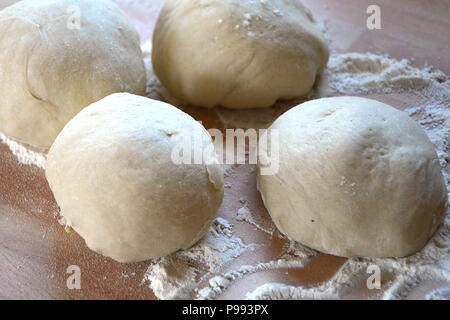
(57,57)
(111,172)
(237,53)
(356,178)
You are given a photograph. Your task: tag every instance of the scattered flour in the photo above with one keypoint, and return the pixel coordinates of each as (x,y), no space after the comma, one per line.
(295,250)
(218,284)
(354,73)
(432,263)
(244,214)
(439,294)
(294,255)
(26,154)
(176,276)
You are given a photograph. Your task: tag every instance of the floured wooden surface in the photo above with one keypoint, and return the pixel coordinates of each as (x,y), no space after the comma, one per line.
(35,251)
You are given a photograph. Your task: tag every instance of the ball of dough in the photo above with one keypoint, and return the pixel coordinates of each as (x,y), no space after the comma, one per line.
(356,178)
(237,54)
(112,174)
(57,57)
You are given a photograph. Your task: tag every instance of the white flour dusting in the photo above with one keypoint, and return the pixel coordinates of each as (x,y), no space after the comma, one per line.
(432,263)
(353,73)
(26,154)
(439,294)
(294,255)
(176,276)
(244,214)
(218,284)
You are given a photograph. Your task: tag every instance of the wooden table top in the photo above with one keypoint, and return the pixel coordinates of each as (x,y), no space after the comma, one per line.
(35,250)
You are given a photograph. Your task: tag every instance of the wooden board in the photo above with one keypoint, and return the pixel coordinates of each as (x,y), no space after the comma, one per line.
(35,251)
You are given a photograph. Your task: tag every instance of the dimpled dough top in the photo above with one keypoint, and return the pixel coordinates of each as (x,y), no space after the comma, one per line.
(356,178)
(112,174)
(237,53)
(50,69)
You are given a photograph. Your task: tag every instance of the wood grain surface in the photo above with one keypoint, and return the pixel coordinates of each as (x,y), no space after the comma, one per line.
(35,250)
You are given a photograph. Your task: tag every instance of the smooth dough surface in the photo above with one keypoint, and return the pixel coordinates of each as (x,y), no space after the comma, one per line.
(237,53)
(357,178)
(50,69)
(111,172)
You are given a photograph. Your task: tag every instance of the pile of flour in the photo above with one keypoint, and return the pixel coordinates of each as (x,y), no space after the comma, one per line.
(244,214)
(197,272)
(177,275)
